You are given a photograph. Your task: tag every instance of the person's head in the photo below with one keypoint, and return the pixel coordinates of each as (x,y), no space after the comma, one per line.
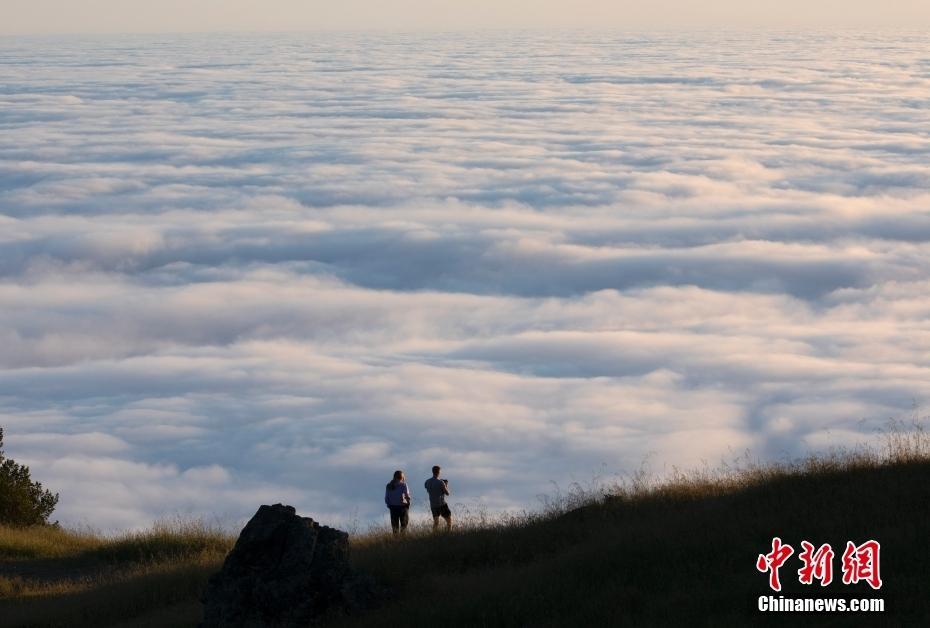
(436,471)
(398,476)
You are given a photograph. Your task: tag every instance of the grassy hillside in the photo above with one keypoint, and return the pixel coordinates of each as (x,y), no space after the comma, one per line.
(679,553)
(51,577)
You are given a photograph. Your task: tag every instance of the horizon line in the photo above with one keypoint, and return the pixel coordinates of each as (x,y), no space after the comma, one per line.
(491,29)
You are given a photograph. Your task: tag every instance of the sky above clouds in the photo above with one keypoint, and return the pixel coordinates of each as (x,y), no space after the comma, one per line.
(241,269)
(96,16)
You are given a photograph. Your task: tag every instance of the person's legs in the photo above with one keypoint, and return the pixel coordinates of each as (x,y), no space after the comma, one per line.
(395,518)
(404,518)
(447,515)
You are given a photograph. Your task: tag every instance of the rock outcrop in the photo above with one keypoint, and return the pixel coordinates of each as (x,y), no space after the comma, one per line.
(285,570)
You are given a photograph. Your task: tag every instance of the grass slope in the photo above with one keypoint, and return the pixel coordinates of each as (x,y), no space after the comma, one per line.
(683,554)
(679,553)
(52,577)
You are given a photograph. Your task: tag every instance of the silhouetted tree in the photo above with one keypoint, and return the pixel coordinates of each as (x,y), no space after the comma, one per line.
(22,501)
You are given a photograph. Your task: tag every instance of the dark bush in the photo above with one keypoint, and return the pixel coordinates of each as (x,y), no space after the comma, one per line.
(22,501)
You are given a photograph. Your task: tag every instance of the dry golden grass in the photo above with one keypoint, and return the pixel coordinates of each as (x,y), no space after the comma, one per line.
(55,577)
(44,542)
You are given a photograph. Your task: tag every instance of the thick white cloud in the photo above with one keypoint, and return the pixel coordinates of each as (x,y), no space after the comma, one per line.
(244,269)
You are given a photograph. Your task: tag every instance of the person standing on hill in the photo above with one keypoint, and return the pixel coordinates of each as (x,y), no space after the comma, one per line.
(437,490)
(397,499)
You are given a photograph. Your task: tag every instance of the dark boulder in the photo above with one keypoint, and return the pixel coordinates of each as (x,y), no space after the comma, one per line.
(285,570)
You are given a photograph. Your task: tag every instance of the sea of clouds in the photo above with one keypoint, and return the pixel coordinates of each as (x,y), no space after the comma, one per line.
(246,269)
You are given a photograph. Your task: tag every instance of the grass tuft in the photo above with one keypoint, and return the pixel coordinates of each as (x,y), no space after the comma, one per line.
(167,540)
(44,542)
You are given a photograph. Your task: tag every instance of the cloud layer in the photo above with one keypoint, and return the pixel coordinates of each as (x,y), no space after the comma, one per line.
(242,269)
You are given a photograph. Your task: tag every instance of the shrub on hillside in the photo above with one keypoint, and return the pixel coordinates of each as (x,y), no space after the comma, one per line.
(22,501)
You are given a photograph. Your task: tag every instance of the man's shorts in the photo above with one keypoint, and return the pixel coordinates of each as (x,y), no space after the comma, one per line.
(441,511)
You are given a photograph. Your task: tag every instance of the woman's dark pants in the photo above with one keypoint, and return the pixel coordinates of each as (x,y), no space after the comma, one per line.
(399,517)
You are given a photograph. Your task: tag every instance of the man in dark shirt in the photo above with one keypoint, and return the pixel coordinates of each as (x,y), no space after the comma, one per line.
(437,490)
